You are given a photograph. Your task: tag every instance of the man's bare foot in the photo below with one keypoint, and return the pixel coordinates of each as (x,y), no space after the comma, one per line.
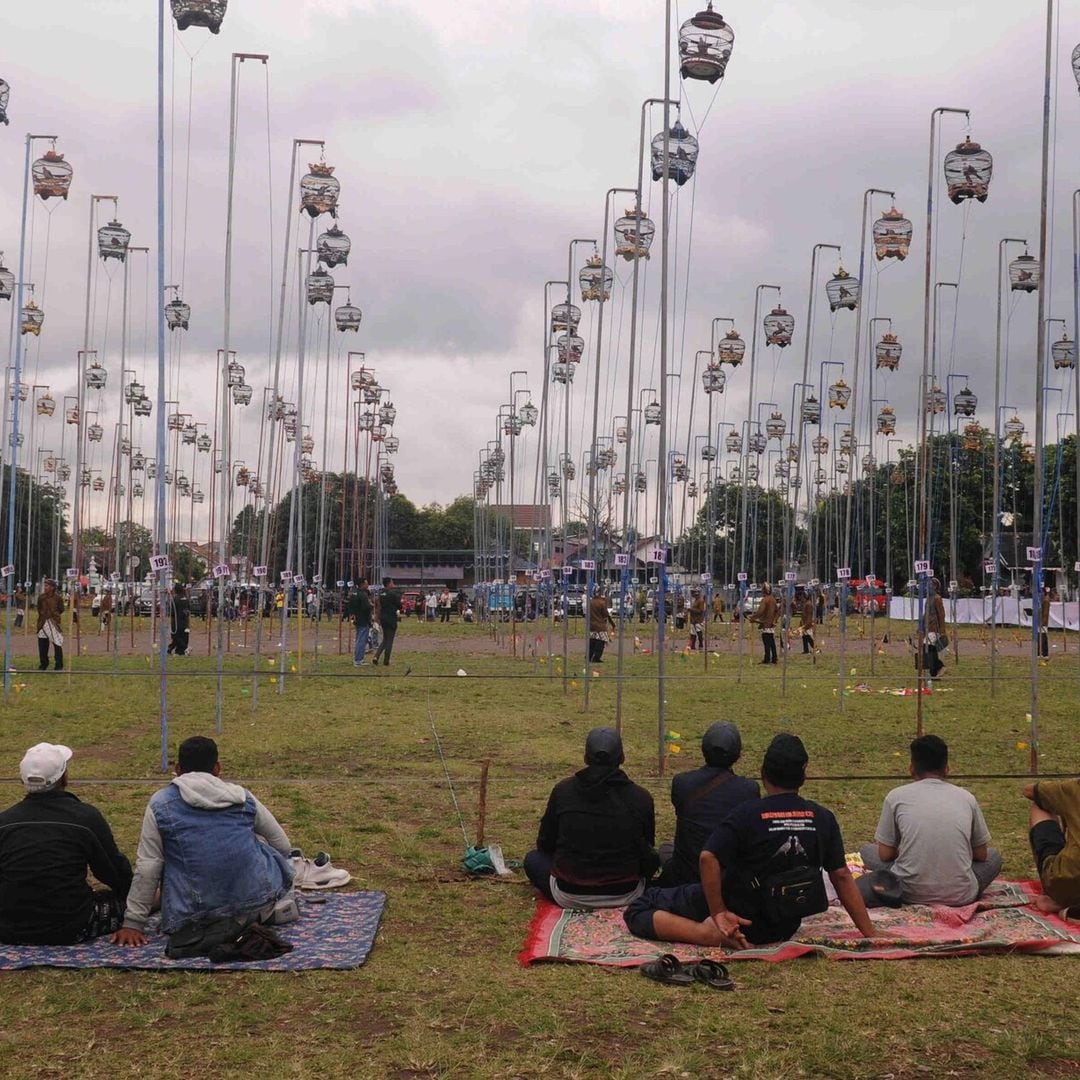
(1045,904)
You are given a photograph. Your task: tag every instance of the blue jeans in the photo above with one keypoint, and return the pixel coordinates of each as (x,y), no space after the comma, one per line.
(361,643)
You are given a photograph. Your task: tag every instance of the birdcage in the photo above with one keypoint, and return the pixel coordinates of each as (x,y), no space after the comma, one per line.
(5,94)
(887,352)
(95,432)
(595,279)
(177,314)
(1014,428)
(206,13)
(682,154)
(125,447)
(731,349)
(388,414)
(348,317)
(52,176)
(143,406)
(618,485)
(565,318)
(199,496)
(753,471)
(497,456)
(634,234)
(151,469)
(16,440)
(892,235)
(841,465)
(32,319)
(733,442)
(679,469)
(188,434)
(49,464)
(137,490)
(96,376)
(968,169)
(63,471)
(319,190)
(821,477)
(757,442)
(1024,274)
(333,247)
(241,394)
(98,483)
(175,421)
(775,426)
(886,421)
(793,453)
(372,394)
(641,483)
(113,240)
(132,392)
(781,469)
(568,469)
(392,443)
(653,412)
(571,347)
(868,464)
(562,373)
(7,280)
(839,395)
(607,457)
(708,452)
(365,421)
(811,410)
(20,388)
(379,433)
(183,484)
(204,443)
(934,400)
(1064,352)
(234,373)
(964,402)
(138,461)
(319,287)
(842,291)
(622,434)
(529,413)
(361,378)
(692,490)
(705,43)
(307,444)
(735,474)
(713,379)
(243,476)
(847,441)
(972,439)
(779,326)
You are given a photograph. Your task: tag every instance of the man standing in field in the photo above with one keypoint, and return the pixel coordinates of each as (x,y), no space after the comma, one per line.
(50,606)
(389,606)
(360,613)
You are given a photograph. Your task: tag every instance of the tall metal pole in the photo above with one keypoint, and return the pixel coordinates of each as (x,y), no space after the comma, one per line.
(1076,379)
(159,543)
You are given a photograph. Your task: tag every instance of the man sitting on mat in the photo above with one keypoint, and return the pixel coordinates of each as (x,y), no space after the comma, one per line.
(46,843)
(218,855)
(1055,842)
(932,835)
(760,869)
(702,799)
(595,844)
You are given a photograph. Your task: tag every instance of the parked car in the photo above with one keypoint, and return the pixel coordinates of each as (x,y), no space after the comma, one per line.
(409,601)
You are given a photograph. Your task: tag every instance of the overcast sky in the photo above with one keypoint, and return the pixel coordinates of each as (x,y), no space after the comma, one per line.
(473,141)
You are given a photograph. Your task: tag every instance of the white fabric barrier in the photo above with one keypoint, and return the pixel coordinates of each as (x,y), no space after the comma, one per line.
(1010,611)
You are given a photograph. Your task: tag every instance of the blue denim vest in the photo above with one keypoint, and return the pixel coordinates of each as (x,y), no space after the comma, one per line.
(215,865)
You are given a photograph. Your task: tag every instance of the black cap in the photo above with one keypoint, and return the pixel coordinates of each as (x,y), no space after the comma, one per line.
(785,761)
(604,747)
(721,745)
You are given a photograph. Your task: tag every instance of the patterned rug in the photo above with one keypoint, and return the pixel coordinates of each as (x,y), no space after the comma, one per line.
(1002,921)
(336,934)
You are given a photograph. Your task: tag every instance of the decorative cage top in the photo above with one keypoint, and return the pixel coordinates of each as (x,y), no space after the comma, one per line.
(206,13)
(811,410)
(595,279)
(713,379)
(964,402)
(887,352)
(683,152)
(177,314)
(348,317)
(839,395)
(52,176)
(731,349)
(634,234)
(842,291)
(320,286)
(1024,274)
(113,240)
(968,169)
(705,43)
(571,348)
(779,326)
(1064,352)
(775,426)
(892,235)
(652,412)
(333,247)
(319,190)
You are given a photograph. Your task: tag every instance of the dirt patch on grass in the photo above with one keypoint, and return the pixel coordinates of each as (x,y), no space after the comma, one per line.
(1054,1067)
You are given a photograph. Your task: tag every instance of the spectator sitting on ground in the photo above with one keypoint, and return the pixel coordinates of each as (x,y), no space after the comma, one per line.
(760,869)
(47,841)
(1055,842)
(932,835)
(595,844)
(702,799)
(218,855)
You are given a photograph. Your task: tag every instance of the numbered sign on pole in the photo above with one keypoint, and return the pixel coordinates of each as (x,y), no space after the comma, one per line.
(221,570)
(341,584)
(1034,554)
(286,577)
(988,568)
(843,573)
(789,576)
(622,559)
(7,571)
(114,577)
(299,581)
(706,579)
(259,571)
(158,563)
(658,555)
(588,564)
(71,572)
(922,566)
(741,576)
(567,571)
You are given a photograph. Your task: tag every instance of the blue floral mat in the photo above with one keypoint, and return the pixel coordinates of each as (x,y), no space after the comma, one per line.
(335,935)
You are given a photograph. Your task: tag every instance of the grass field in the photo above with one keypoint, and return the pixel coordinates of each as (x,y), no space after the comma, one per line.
(346,760)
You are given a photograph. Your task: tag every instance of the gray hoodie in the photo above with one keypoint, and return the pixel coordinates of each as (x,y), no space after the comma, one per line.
(205,792)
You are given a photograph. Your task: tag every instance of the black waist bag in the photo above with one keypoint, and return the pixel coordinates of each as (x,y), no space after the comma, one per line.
(791,895)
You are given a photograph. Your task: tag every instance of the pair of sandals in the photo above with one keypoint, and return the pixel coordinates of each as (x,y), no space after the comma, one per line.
(669,969)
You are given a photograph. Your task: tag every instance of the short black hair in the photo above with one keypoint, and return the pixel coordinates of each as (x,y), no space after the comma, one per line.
(784,765)
(929,754)
(197,754)
(387,582)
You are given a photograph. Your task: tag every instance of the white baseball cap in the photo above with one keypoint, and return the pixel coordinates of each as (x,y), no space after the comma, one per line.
(43,765)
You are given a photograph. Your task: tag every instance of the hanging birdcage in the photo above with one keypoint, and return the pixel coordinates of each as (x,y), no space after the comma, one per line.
(775,426)
(319,287)
(20,388)
(235,373)
(842,291)
(275,410)
(781,470)
(886,421)
(333,247)
(841,465)
(529,414)
(705,43)
(63,471)
(319,190)
(256,488)
(125,447)
(968,169)
(793,453)
(641,482)
(964,402)
(5,94)
(569,470)
(137,490)
(95,432)
(811,410)
(565,318)
(779,326)
(197,495)
(562,373)
(887,352)
(735,473)
(365,421)
(1027,454)
(1014,428)
(50,464)
(892,235)
(307,444)
(52,176)
(713,379)
(1024,274)
(571,348)
(1064,352)
(622,434)
(821,476)
(206,13)
(46,406)
(138,461)
(204,443)
(16,440)
(372,394)
(679,468)
(32,319)
(934,400)
(618,485)
(188,434)
(757,442)
(71,414)
(143,406)
(183,484)
(243,476)
(839,395)
(177,314)
(868,464)
(753,471)
(731,349)
(85,477)
(386,471)
(348,317)
(497,457)
(98,484)
(973,434)
(175,421)
(388,414)
(379,433)
(1076,65)
(96,376)
(7,280)
(847,441)
(682,150)
(362,378)
(595,279)
(652,412)
(708,452)
(897,476)
(392,443)
(133,391)
(241,394)
(592,467)
(692,490)
(733,442)
(634,234)
(113,240)
(151,469)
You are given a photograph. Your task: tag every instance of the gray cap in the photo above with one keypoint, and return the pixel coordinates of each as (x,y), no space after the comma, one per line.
(722,743)
(604,747)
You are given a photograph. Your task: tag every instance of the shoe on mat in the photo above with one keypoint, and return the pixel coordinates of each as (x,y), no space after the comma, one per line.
(310,874)
(712,974)
(668,969)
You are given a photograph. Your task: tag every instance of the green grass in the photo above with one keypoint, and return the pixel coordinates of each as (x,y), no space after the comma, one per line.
(347,762)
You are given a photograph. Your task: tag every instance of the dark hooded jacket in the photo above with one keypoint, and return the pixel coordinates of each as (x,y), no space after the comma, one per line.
(600,829)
